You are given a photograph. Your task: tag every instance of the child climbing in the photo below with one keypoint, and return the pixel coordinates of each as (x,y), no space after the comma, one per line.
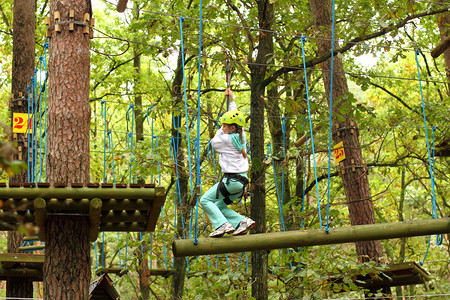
(229,142)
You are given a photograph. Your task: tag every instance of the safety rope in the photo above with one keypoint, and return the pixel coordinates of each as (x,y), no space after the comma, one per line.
(103,115)
(130,140)
(110,147)
(199,181)
(46,46)
(327,228)
(29,134)
(311,130)
(430,163)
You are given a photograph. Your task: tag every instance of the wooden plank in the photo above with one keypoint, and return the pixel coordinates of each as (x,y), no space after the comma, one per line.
(31,248)
(156,209)
(161,272)
(76,193)
(95,211)
(35,275)
(314,237)
(40,215)
(7,260)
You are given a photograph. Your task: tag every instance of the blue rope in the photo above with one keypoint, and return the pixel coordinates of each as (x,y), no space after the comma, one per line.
(96,256)
(283,129)
(120,258)
(29,134)
(35,125)
(433,212)
(199,182)
(103,249)
(103,114)
(46,46)
(130,139)
(327,228)
(110,147)
(311,130)
(40,119)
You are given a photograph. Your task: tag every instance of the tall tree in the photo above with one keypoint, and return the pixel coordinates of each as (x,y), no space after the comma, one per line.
(22,71)
(67,256)
(354,177)
(443,20)
(257,173)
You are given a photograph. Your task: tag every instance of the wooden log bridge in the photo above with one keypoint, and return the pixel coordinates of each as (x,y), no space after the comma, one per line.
(312,237)
(127,208)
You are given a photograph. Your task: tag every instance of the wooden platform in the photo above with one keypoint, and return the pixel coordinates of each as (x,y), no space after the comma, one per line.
(407,273)
(117,271)
(161,272)
(124,207)
(12,266)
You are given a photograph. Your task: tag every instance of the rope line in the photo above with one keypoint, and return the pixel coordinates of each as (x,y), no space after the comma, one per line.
(327,228)
(312,133)
(434,213)
(199,182)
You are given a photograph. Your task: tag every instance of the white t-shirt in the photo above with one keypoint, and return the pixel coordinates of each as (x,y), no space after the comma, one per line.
(230,159)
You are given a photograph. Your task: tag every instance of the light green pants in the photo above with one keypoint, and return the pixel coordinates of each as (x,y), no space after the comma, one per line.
(217,210)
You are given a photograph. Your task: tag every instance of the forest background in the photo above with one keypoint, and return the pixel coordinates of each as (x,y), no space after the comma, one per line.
(136,59)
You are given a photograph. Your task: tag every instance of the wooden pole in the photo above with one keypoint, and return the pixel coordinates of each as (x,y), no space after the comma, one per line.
(122,5)
(95,211)
(441,47)
(314,237)
(40,216)
(302,140)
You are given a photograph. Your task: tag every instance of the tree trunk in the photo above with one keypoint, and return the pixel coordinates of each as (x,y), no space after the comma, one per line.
(354,177)
(67,256)
(443,21)
(257,172)
(180,170)
(22,71)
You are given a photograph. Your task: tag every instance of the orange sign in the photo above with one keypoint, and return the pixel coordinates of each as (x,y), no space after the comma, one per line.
(339,153)
(20,122)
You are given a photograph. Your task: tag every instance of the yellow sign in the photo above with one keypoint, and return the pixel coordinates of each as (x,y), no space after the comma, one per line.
(339,153)
(20,122)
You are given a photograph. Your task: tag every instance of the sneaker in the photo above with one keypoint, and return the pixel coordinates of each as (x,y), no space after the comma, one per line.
(224,228)
(244,226)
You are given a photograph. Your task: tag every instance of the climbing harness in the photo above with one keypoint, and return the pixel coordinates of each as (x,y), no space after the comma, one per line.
(223,189)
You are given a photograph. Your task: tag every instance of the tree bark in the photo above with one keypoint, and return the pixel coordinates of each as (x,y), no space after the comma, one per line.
(22,71)
(67,257)
(356,183)
(443,21)
(180,171)
(259,259)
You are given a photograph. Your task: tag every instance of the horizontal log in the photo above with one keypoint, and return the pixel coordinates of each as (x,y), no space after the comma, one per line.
(123,216)
(35,275)
(21,258)
(31,248)
(83,204)
(76,193)
(123,227)
(313,237)
(443,45)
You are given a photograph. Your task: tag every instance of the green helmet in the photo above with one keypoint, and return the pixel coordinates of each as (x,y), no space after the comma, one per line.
(234,117)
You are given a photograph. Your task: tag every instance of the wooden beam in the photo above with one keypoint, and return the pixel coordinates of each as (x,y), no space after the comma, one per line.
(95,211)
(124,216)
(40,216)
(76,193)
(16,258)
(122,5)
(123,227)
(302,140)
(314,237)
(31,248)
(443,45)
(156,209)
(35,275)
